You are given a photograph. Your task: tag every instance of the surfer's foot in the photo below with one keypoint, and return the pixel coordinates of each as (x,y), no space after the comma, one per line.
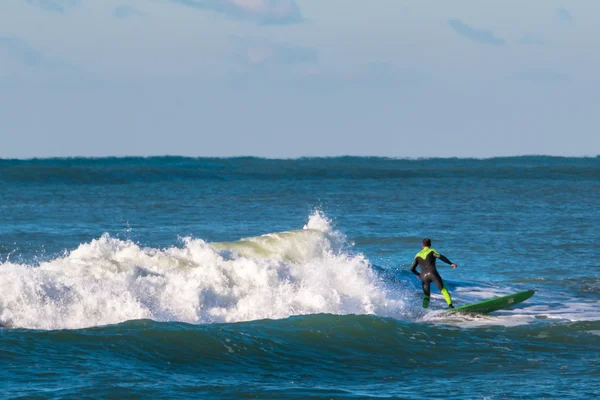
(450,306)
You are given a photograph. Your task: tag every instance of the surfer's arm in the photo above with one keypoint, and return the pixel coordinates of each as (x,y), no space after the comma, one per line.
(413,267)
(442,257)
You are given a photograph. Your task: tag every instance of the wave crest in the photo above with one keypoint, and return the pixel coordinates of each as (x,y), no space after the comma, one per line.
(277,275)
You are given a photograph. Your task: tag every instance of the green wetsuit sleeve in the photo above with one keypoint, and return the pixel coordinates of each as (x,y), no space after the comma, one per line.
(413,267)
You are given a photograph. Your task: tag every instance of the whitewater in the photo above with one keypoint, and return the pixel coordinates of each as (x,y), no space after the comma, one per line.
(277,275)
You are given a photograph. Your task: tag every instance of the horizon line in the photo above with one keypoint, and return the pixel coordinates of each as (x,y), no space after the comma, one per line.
(295,158)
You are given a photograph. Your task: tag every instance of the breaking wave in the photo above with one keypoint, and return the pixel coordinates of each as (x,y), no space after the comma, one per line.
(277,275)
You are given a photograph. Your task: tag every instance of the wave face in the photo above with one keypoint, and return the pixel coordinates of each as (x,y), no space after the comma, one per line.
(277,275)
(312,356)
(167,169)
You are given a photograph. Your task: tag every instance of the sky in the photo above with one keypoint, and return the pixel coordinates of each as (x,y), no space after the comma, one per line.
(294,78)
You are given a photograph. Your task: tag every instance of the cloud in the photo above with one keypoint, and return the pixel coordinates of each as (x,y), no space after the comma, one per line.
(21,62)
(531,40)
(268,53)
(261,62)
(478,35)
(541,75)
(381,74)
(265,12)
(126,12)
(16,49)
(59,6)
(564,15)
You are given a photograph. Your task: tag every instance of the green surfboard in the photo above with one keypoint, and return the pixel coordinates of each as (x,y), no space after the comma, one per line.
(497,303)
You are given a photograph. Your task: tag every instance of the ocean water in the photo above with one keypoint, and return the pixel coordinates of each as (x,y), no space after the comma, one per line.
(171,277)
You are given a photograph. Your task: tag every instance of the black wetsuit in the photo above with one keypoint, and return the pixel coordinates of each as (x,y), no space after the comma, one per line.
(425,259)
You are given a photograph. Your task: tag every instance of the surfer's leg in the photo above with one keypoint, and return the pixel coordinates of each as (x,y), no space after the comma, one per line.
(425,282)
(437,279)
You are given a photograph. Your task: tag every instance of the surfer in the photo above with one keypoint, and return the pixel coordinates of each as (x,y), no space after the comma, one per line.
(426,260)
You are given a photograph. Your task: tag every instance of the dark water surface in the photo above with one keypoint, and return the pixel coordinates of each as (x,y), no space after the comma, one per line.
(252,278)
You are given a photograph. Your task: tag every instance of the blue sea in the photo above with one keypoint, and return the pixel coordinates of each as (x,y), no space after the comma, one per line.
(177,278)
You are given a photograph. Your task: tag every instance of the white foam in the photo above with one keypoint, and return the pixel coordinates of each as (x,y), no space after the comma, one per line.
(538,307)
(319,221)
(573,311)
(278,275)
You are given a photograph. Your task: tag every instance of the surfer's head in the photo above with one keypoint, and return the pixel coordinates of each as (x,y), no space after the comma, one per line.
(426,242)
